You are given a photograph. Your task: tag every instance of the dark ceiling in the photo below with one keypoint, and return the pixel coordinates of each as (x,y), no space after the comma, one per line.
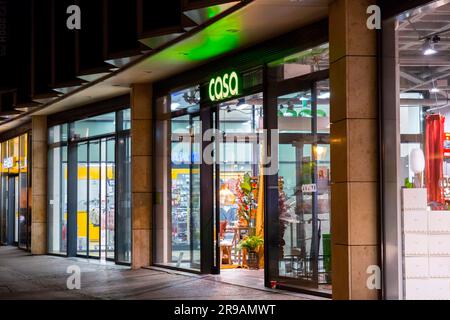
(40,58)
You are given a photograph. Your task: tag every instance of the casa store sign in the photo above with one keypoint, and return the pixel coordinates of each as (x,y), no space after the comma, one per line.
(224,87)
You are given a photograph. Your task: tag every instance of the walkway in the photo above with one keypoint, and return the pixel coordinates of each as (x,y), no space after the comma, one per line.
(23,276)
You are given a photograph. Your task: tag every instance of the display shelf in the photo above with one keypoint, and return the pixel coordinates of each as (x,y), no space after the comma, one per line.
(426,248)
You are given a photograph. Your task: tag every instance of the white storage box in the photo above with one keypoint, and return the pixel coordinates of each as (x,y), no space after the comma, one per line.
(416,221)
(416,267)
(416,244)
(439,267)
(439,244)
(414,199)
(439,289)
(417,289)
(439,221)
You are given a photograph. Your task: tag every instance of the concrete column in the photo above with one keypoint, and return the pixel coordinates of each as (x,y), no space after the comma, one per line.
(39,185)
(141,171)
(354,149)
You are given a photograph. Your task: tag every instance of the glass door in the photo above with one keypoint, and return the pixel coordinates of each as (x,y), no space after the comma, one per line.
(12,210)
(301,255)
(16,209)
(4,210)
(238,199)
(83,195)
(96,199)
(93,177)
(109,187)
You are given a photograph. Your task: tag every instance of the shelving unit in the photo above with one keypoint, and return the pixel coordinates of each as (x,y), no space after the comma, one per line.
(426,248)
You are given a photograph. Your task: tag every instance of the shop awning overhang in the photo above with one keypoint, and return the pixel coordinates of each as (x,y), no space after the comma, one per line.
(242,25)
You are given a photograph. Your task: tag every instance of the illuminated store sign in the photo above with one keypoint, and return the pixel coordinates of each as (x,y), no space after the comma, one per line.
(224,87)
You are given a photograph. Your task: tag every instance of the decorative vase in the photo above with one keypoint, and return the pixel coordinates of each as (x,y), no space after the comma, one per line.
(253,260)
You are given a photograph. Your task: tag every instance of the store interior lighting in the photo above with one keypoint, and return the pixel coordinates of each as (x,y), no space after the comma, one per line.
(429,45)
(435,90)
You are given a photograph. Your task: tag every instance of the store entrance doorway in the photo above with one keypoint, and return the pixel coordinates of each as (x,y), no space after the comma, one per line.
(12,210)
(96,199)
(239,194)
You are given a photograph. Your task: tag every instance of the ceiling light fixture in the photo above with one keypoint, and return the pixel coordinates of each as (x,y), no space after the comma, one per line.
(434,90)
(429,45)
(241,105)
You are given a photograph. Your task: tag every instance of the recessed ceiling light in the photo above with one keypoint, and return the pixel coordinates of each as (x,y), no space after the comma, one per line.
(435,90)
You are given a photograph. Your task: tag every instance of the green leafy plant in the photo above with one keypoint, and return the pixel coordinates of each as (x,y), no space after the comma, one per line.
(246,197)
(251,243)
(408,184)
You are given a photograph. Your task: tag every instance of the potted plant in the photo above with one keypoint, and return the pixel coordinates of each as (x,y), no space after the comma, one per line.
(252,244)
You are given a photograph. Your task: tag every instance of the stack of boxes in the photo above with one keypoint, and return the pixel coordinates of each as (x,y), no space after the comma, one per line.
(426,248)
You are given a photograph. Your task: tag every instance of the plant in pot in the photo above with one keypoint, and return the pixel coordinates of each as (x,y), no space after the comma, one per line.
(252,245)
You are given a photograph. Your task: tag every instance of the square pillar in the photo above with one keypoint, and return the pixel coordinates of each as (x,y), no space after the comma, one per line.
(39,184)
(354,149)
(141,174)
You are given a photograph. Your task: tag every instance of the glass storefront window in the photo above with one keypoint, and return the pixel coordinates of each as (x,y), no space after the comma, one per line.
(85,225)
(123,225)
(83,202)
(57,203)
(302,63)
(304,187)
(57,134)
(14,220)
(178,187)
(185,99)
(416,153)
(124,117)
(95,126)
(185,191)
(23,191)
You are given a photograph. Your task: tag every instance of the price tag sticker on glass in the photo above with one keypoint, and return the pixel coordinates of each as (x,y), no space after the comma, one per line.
(309,188)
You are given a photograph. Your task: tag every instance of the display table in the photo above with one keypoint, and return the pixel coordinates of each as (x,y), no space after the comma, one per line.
(426,248)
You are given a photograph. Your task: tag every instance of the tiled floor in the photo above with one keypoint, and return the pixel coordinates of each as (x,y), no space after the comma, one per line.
(23,276)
